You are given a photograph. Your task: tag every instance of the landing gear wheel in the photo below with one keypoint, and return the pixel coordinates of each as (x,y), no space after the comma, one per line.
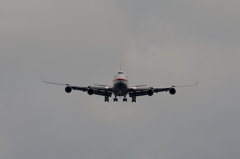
(134,99)
(106,99)
(115,99)
(124,99)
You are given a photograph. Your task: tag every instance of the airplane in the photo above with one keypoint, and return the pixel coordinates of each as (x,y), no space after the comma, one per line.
(120,88)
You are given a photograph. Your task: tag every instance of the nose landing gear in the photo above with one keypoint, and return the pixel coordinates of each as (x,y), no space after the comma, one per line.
(124,99)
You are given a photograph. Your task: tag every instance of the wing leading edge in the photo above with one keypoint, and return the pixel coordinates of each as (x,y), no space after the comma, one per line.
(136,91)
(99,90)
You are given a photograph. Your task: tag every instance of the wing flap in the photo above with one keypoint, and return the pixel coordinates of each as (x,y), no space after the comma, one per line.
(84,89)
(102,93)
(138,93)
(161,89)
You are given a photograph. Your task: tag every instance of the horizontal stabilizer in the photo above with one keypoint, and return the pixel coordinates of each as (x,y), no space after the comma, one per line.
(102,85)
(139,86)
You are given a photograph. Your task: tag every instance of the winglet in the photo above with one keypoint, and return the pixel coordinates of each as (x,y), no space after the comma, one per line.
(44,80)
(54,83)
(196,83)
(187,85)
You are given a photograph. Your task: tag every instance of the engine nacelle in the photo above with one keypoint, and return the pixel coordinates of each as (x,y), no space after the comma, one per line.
(150,92)
(90,91)
(68,89)
(172,91)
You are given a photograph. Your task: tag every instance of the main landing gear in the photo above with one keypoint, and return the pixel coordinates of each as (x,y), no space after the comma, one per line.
(115,99)
(134,99)
(106,99)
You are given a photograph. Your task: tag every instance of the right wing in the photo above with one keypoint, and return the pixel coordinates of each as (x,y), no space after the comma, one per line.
(99,90)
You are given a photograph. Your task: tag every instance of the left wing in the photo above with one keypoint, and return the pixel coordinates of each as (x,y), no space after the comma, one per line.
(136,91)
(97,90)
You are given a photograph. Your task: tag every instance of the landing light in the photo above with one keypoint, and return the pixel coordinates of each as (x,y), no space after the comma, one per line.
(134,87)
(106,87)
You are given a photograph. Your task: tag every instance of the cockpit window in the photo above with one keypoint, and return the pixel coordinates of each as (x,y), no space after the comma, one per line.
(120,72)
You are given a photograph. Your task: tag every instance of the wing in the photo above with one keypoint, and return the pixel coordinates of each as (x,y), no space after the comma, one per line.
(97,90)
(136,91)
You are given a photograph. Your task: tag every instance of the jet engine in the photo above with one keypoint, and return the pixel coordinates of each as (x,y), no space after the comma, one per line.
(172,91)
(150,92)
(90,91)
(68,89)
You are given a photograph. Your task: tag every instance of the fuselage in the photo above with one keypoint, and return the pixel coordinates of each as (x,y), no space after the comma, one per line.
(120,84)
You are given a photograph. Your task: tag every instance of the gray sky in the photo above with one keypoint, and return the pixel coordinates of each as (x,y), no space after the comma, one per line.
(160,43)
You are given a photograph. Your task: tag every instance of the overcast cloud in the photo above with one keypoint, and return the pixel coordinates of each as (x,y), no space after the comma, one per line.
(160,43)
